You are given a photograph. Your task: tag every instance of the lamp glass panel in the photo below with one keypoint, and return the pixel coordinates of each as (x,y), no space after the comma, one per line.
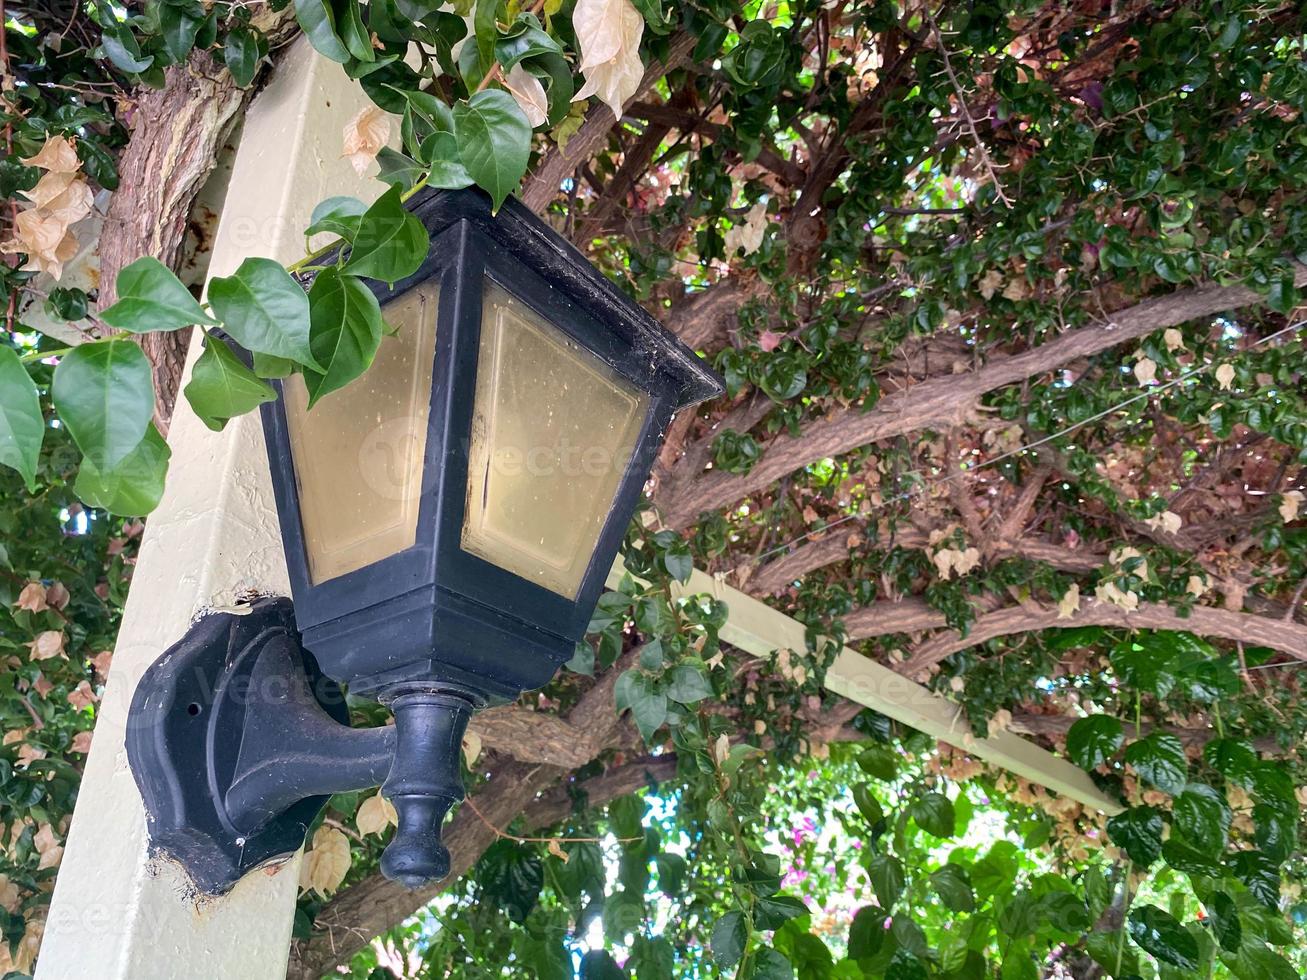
(553,432)
(358,453)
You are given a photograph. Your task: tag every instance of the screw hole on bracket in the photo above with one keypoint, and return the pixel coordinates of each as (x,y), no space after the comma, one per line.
(193,708)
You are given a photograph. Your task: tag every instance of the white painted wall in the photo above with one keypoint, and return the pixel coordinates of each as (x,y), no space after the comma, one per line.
(116,913)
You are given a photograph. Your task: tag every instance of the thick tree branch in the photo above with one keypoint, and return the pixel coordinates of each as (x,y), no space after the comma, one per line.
(1290,638)
(176,143)
(944,401)
(557,164)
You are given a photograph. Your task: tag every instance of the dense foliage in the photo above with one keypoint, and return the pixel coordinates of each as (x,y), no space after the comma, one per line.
(1006,300)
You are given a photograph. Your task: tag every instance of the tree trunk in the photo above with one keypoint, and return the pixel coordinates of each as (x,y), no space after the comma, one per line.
(177,134)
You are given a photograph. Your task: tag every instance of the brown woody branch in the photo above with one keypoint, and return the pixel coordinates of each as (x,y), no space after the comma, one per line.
(941,402)
(1290,638)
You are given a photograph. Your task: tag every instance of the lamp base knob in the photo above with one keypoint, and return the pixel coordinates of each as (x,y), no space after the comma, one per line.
(424,782)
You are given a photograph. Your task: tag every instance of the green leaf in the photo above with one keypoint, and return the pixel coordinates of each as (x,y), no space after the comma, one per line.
(222,387)
(773,911)
(678,561)
(1259,874)
(494,142)
(648,706)
(178,28)
(1158,932)
(879,761)
(440,151)
(1093,740)
(391,242)
(1232,758)
(120,47)
(487,31)
(1201,814)
(1138,832)
(768,964)
(729,935)
(22,426)
(1256,961)
(151,298)
(525,40)
(1224,917)
(398,169)
(242,52)
(868,805)
(271,366)
(1274,831)
(349,26)
(688,684)
(886,873)
(933,813)
(337,216)
(318,21)
(954,888)
(133,487)
(265,310)
(583,659)
(867,932)
(104,393)
(1159,759)
(345,331)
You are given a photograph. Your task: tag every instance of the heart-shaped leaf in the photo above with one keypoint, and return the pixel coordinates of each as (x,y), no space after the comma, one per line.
(133,487)
(265,310)
(346,331)
(222,387)
(151,298)
(104,393)
(494,142)
(22,426)
(390,244)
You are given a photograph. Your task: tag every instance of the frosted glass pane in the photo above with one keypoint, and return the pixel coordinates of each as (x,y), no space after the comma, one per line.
(552,434)
(358,453)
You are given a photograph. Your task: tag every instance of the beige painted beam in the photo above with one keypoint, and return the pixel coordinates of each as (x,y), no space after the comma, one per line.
(757,628)
(118,914)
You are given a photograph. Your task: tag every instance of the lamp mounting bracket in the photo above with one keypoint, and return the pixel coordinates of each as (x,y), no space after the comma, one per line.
(236,740)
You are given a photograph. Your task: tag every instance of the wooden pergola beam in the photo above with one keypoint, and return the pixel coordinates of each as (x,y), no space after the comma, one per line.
(757,628)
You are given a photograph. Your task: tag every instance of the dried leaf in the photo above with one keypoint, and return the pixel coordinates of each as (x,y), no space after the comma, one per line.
(747,233)
(57,155)
(48,846)
(1069,604)
(100,662)
(556,849)
(529,94)
(1173,339)
(82,696)
(375,814)
(471,747)
(364,136)
(1196,585)
(33,598)
(57,595)
(81,742)
(1290,503)
(49,643)
(44,238)
(1167,521)
(1225,376)
(608,33)
(1146,370)
(327,863)
(990,282)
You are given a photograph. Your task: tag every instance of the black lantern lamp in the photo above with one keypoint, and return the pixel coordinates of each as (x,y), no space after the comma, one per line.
(448,522)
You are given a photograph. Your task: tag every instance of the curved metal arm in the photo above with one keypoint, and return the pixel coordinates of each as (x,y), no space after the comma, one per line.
(291,749)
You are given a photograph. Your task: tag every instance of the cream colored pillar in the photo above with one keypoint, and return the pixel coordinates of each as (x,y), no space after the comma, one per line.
(117,913)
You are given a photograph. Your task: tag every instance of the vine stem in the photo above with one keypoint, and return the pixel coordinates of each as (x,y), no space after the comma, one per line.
(307,261)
